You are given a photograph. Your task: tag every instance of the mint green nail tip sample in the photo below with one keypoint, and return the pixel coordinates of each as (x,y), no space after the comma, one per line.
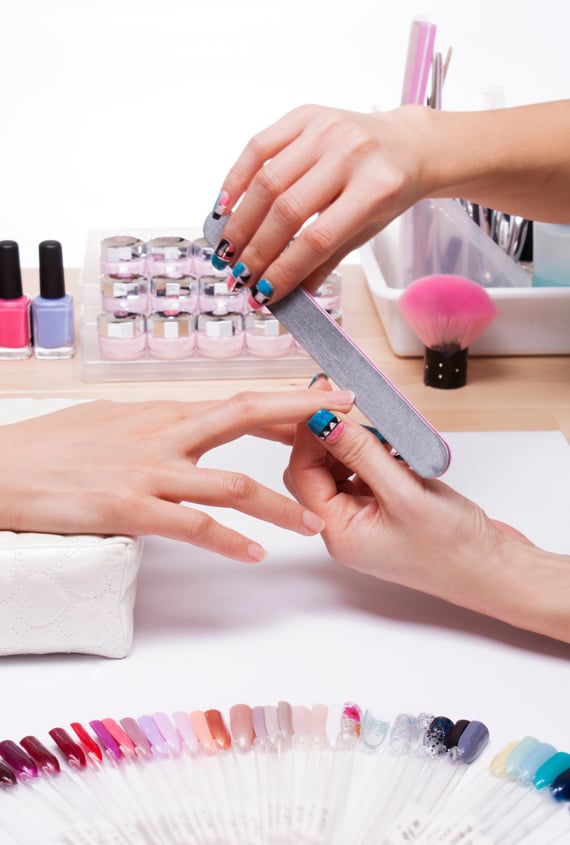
(550,770)
(517,755)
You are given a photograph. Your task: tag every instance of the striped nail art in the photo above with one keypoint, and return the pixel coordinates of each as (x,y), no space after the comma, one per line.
(241,275)
(326,426)
(259,294)
(221,205)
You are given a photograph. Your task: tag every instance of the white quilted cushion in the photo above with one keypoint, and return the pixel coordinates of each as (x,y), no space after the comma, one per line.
(67,593)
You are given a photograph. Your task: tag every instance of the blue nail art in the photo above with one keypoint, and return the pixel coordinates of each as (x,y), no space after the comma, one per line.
(316,377)
(260,293)
(218,262)
(435,736)
(241,274)
(322,423)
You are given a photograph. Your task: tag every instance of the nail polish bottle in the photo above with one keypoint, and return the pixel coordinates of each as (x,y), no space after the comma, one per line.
(122,255)
(125,293)
(171,336)
(265,337)
(169,255)
(52,311)
(121,336)
(168,293)
(217,297)
(15,335)
(220,335)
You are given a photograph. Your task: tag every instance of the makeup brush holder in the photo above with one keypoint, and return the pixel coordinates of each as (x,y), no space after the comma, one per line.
(437,237)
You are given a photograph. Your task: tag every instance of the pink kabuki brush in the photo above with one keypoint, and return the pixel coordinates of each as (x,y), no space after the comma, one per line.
(447,313)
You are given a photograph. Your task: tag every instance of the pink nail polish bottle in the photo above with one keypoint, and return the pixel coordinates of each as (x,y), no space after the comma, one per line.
(265,337)
(171,336)
(121,336)
(216,296)
(15,335)
(168,293)
(124,293)
(122,255)
(168,255)
(220,335)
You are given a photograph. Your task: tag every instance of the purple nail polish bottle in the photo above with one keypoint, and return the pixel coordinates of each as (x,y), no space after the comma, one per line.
(52,311)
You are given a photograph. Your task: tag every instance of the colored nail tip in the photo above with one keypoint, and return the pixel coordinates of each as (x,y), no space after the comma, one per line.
(373,731)
(375,432)
(137,736)
(351,720)
(452,738)
(153,735)
(7,777)
(168,731)
(301,718)
(471,742)
(498,762)
(400,739)
(323,423)
(560,786)
(550,770)
(534,760)
(18,760)
(105,738)
(517,755)
(271,716)
(435,735)
(218,729)
(120,736)
(73,752)
(87,741)
(218,263)
(316,378)
(319,716)
(284,714)
(186,731)
(241,726)
(44,759)
(200,725)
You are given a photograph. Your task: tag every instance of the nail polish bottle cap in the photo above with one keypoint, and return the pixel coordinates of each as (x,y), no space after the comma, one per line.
(10,273)
(52,280)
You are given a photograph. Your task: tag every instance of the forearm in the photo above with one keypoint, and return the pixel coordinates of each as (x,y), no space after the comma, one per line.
(515,160)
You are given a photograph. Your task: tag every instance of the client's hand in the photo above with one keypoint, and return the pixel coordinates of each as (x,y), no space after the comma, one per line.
(388,522)
(110,468)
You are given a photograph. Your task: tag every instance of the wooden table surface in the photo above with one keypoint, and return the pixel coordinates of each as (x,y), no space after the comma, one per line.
(502,393)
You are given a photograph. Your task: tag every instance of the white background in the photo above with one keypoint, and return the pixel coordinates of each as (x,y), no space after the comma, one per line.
(129,112)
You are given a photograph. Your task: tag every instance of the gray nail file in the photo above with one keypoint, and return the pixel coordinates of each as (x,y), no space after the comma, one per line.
(339,357)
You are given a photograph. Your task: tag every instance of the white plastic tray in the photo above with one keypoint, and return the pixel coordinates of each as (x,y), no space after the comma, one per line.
(530,321)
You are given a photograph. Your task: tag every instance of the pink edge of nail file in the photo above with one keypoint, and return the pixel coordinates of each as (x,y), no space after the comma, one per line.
(407,431)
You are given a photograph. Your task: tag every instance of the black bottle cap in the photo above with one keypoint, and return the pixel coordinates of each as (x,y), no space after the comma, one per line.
(10,273)
(52,280)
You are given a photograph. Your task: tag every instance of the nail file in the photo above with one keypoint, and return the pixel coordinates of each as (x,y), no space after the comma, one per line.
(340,358)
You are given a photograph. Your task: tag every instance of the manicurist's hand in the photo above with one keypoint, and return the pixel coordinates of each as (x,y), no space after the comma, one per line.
(335,178)
(385,521)
(114,468)
(356,171)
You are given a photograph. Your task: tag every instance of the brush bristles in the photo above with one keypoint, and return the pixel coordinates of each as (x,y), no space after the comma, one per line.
(447,312)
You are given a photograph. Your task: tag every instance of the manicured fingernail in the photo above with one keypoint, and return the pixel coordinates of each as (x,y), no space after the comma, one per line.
(326,426)
(313,522)
(241,275)
(223,254)
(256,552)
(316,378)
(259,294)
(221,205)
(341,397)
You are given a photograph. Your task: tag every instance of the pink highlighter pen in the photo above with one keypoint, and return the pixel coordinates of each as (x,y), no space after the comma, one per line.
(15,335)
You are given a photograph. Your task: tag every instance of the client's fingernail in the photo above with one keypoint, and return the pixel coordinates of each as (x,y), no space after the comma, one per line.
(221,205)
(256,552)
(241,275)
(259,294)
(316,378)
(326,426)
(223,254)
(341,397)
(313,522)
